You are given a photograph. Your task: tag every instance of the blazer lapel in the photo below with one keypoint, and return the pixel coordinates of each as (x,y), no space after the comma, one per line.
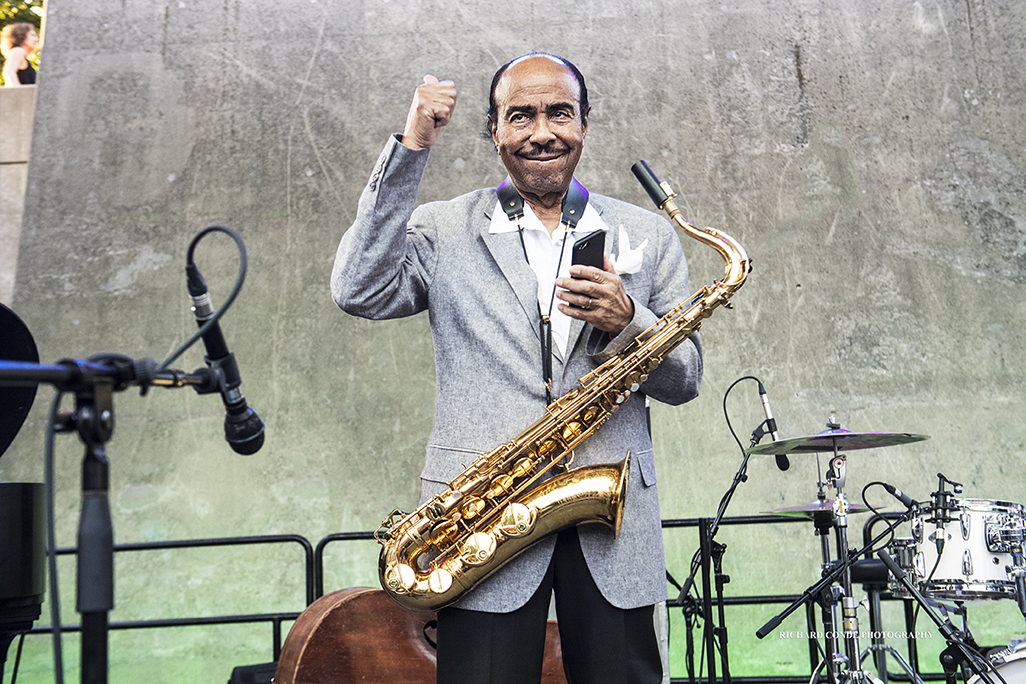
(508,252)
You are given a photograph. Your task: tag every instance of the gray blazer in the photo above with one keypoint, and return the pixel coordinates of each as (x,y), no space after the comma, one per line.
(481,296)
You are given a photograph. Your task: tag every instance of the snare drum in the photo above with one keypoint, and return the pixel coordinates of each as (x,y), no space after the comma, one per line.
(976,555)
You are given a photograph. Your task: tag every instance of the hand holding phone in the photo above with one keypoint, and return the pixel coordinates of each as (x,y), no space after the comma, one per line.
(589,250)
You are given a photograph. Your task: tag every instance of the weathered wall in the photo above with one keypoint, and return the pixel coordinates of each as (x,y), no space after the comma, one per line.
(869,155)
(16,108)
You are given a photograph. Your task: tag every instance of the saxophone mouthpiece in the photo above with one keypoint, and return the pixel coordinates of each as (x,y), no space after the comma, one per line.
(650,182)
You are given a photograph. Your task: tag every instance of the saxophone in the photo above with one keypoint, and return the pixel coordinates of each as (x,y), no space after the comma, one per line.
(499,505)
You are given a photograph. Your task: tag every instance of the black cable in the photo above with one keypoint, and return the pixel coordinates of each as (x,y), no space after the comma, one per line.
(739,477)
(51,544)
(17,658)
(890,527)
(727,416)
(239,280)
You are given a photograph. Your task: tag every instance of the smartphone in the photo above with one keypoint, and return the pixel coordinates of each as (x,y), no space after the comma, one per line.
(588,250)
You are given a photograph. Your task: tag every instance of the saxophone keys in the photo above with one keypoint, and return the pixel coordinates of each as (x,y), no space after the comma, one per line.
(472,507)
(572,431)
(478,548)
(501,485)
(439,580)
(442,531)
(635,379)
(400,578)
(517,520)
(547,448)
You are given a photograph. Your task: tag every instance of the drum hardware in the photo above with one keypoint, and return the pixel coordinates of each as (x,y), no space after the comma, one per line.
(885,649)
(873,575)
(961,649)
(817,506)
(834,515)
(830,576)
(1017,571)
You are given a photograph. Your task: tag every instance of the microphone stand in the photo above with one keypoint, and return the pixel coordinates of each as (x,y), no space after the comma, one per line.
(711,554)
(93,385)
(957,652)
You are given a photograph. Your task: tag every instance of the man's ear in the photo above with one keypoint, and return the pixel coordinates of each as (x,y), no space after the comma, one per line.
(495,132)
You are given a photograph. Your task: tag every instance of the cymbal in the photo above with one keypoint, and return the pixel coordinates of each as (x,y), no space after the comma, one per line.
(817,506)
(841,440)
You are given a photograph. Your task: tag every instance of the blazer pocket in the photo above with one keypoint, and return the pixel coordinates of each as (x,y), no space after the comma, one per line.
(646,462)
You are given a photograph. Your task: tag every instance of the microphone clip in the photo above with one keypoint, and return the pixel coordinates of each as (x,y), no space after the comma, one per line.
(222,376)
(766,427)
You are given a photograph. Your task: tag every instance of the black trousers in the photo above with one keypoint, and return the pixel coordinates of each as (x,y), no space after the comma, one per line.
(600,643)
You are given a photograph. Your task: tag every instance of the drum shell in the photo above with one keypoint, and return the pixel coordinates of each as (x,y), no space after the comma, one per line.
(975,559)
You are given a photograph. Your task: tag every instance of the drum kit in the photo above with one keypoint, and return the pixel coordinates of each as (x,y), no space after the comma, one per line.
(960,550)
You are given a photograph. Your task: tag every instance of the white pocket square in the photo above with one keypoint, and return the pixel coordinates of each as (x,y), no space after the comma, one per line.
(628,260)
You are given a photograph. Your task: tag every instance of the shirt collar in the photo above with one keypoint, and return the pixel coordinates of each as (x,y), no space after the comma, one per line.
(591,221)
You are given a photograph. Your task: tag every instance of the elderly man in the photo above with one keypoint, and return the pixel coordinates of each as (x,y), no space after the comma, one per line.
(514,324)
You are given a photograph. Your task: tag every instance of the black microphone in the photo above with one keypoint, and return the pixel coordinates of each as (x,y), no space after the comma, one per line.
(243,429)
(901,496)
(771,426)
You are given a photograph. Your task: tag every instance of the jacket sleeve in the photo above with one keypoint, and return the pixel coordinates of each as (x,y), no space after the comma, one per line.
(678,378)
(384,261)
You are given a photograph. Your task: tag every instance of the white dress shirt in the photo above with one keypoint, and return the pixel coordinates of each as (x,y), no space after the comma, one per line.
(543,254)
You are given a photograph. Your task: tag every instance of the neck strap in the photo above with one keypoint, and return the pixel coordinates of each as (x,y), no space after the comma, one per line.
(574,202)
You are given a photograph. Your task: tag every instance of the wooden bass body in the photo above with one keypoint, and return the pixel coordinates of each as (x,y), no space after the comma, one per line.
(360,635)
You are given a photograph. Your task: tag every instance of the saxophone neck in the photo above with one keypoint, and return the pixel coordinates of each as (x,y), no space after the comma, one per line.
(737,265)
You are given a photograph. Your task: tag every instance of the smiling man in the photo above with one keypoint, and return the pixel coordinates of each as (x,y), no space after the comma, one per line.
(515,325)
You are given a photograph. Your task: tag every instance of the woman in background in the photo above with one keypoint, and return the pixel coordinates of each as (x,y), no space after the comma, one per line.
(18,43)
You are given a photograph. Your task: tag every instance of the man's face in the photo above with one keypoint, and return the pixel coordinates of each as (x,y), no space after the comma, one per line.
(539,130)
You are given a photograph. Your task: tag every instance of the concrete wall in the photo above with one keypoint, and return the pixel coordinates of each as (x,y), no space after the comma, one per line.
(17,105)
(869,155)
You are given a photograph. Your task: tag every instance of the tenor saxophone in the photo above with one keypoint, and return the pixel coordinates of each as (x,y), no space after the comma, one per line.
(498,507)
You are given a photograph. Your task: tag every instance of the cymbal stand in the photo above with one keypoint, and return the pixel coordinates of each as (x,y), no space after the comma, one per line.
(849,604)
(853,672)
(828,578)
(828,597)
